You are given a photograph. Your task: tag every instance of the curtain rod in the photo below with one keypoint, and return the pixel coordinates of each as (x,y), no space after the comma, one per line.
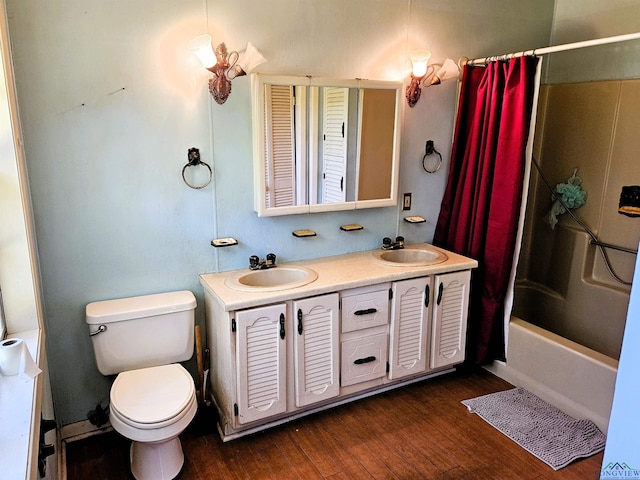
(556,48)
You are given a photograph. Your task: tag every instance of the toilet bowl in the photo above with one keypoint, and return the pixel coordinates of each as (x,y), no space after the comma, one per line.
(152,406)
(153,398)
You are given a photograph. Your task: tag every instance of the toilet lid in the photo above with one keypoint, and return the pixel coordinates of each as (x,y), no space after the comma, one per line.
(152,395)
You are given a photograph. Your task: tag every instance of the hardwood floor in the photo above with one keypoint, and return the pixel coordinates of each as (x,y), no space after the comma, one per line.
(417,432)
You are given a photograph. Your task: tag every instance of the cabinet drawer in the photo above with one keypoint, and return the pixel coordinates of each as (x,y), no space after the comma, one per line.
(363,359)
(365,310)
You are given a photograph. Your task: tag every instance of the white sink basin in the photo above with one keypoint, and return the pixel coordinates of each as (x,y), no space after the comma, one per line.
(271,280)
(409,257)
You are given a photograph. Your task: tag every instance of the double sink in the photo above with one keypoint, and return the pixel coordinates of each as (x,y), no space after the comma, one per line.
(292,276)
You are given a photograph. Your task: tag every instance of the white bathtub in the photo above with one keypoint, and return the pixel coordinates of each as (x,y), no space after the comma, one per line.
(577,380)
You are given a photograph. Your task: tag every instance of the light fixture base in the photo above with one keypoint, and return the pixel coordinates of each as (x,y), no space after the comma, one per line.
(220,84)
(413,91)
(220,88)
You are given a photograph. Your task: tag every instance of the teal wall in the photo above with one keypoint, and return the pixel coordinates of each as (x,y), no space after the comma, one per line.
(111,99)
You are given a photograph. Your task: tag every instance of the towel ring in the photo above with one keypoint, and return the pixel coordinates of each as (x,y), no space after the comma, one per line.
(194,160)
(430,150)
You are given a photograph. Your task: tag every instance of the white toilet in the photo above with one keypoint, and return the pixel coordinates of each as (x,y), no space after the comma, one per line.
(153,398)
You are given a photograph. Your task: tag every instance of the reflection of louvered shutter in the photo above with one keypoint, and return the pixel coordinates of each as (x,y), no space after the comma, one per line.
(334,145)
(279,146)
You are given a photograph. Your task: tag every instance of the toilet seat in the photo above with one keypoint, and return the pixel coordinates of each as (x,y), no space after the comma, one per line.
(154,397)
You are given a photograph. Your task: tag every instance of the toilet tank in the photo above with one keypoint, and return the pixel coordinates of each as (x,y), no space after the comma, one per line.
(144,331)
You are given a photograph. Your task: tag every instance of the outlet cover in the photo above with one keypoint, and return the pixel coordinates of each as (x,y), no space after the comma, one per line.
(406,202)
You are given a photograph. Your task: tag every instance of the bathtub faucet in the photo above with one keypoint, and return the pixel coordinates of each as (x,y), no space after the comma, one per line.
(255,263)
(387,244)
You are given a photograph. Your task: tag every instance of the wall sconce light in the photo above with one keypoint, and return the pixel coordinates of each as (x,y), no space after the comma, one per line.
(224,65)
(422,71)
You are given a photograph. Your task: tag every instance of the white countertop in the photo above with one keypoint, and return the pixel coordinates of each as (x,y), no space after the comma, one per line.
(334,273)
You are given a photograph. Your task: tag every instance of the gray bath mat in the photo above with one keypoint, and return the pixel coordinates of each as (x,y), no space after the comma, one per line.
(544,431)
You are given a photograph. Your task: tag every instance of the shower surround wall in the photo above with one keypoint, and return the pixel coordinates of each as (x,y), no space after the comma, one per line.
(562,283)
(107,129)
(569,314)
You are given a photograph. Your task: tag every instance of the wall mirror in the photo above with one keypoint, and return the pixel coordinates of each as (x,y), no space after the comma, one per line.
(324,144)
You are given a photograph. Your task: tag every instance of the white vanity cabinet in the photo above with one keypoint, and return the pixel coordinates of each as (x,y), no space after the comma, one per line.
(316,357)
(364,335)
(450,310)
(428,318)
(409,327)
(359,329)
(260,362)
(262,376)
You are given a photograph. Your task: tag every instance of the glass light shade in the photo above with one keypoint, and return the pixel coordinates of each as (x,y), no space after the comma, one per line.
(419,60)
(250,58)
(201,46)
(448,70)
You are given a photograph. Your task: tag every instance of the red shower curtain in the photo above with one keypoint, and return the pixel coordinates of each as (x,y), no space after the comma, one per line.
(481,204)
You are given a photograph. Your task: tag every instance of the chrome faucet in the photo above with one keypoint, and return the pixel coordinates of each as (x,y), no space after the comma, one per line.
(388,244)
(255,263)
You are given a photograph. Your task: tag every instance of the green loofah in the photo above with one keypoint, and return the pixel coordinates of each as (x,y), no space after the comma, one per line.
(572,195)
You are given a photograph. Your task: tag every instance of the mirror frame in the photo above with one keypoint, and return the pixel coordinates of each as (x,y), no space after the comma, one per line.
(258,82)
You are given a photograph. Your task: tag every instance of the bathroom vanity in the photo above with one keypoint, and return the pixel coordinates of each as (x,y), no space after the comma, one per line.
(331,330)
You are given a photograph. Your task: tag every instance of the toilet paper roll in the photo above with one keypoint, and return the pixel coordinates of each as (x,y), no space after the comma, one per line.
(15,359)
(10,354)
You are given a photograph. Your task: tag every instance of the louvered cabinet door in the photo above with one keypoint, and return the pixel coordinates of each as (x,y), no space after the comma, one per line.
(409,327)
(316,361)
(450,310)
(260,362)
